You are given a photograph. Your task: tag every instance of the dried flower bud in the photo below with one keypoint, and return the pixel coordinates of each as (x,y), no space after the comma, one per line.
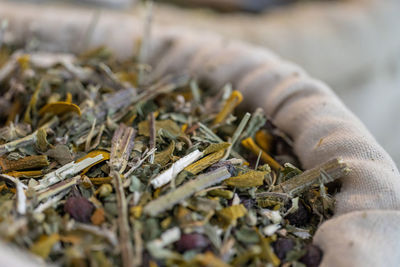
(79,208)
(104,190)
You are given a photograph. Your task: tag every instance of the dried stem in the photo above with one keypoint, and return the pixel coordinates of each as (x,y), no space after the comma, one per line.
(152,130)
(203,181)
(123,224)
(30,162)
(122,144)
(333,169)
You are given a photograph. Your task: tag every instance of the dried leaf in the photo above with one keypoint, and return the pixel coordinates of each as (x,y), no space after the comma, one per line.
(168,125)
(232,213)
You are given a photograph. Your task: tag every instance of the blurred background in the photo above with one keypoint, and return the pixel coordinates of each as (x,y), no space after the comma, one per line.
(352,45)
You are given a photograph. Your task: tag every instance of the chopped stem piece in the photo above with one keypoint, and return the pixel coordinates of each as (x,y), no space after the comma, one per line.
(203,181)
(333,169)
(166,176)
(30,162)
(55,189)
(66,171)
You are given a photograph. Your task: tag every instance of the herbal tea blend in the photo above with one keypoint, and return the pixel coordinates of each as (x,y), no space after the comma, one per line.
(100,167)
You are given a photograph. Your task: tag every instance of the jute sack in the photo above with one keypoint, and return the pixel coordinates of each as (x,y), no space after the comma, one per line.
(364,231)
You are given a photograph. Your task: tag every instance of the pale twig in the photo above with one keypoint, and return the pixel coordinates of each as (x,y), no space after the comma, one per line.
(121,148)
(237,133)
(335,169)
(66,171)
(203,181)
(152,130)
(51,201)
(90,136)
(59,187)
(169,174)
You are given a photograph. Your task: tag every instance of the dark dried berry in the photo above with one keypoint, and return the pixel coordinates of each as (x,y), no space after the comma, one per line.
(283,246)
(191,241)
(79,208)
(300,217)
(313,256)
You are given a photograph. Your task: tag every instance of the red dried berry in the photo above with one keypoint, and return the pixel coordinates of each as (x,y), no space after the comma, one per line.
(79,208)
(191,241)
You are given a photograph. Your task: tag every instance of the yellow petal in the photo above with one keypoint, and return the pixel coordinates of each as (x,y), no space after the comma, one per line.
(43,246)
(60,107)
(92,154)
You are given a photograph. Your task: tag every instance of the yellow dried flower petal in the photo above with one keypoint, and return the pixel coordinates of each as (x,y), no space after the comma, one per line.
(253,147)
(25,174)
(264,140)
(209,259)
(68,99)
(248,179)
(60,107)
(43,246)
(233,101)
(92,154)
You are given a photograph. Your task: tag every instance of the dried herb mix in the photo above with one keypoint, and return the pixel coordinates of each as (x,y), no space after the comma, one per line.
(97,170)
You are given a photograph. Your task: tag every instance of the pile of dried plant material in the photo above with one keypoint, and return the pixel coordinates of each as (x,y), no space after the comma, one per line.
(99,168)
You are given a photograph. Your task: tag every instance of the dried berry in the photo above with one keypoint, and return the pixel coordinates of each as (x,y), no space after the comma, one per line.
(313,256)
(191,241)
(283,246)
(79,208)
(300,217)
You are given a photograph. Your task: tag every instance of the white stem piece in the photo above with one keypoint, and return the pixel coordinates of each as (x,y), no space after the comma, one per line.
(66,171)
(166,176)
(21,199)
